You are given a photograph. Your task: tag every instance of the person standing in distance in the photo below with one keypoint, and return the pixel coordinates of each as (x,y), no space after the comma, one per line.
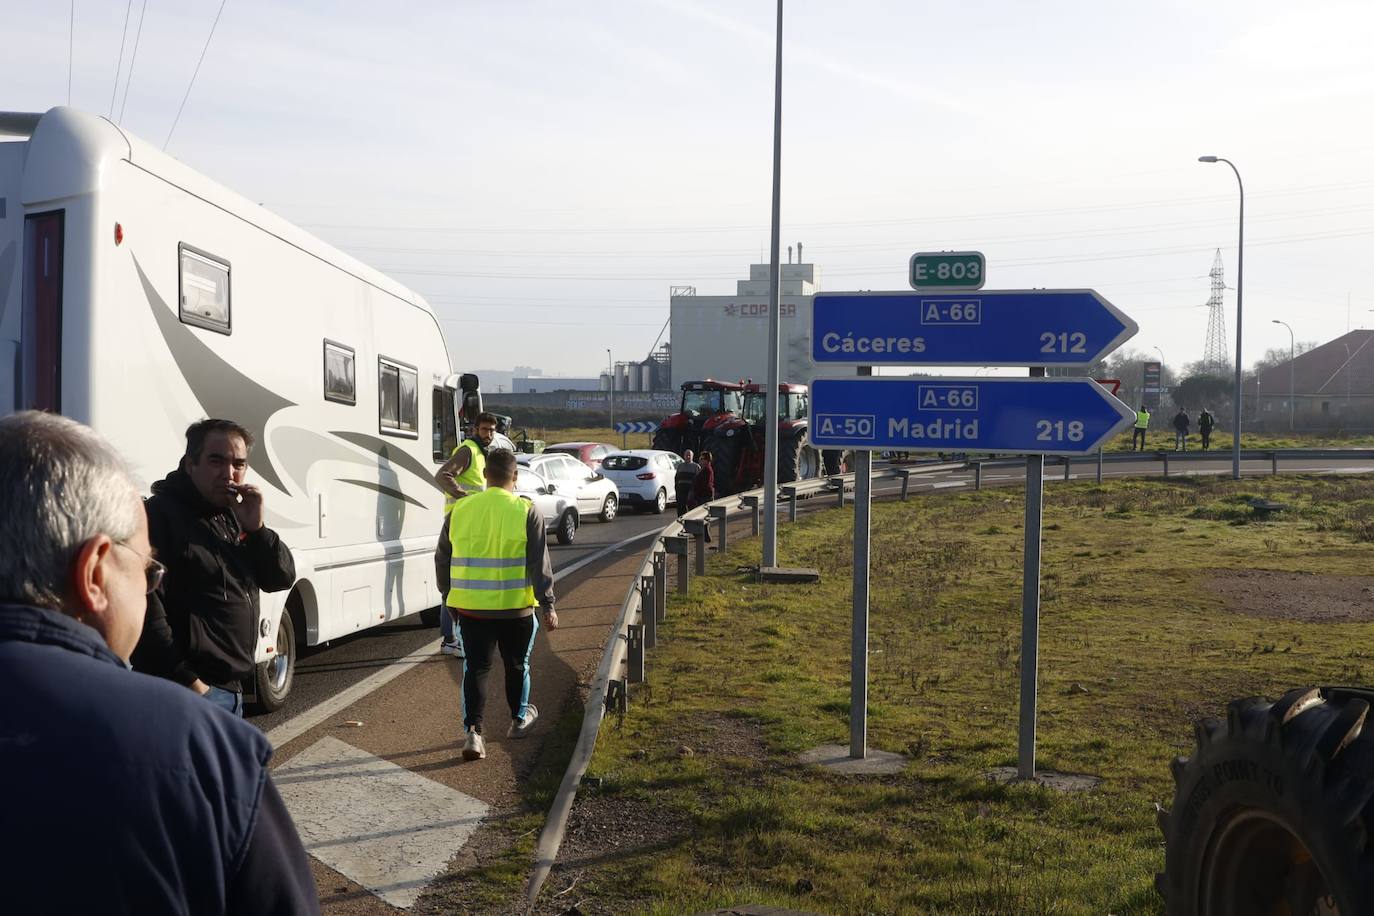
(1205,422)
(129,794)
(1142,423)
(1181,430)
(683,481)
(206,524)
(498,570)
(462,475)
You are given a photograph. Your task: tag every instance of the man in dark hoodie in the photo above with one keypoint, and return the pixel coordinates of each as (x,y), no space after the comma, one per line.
(126,793)
(206,525)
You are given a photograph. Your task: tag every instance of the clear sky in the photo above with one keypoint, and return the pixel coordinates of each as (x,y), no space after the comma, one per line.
(543,171)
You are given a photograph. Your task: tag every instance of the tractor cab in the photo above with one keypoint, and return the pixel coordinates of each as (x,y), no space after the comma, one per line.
(706,405)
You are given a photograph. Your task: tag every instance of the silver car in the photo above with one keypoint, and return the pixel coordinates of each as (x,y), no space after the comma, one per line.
(560,512)
(564,475)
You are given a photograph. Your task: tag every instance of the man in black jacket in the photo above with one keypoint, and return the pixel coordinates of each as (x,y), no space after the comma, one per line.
(206,525)
(126,793)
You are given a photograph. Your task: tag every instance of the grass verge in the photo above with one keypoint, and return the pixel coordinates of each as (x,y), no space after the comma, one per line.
(1135,646)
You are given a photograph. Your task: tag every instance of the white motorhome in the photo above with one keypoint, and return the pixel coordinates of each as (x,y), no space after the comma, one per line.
(138,296)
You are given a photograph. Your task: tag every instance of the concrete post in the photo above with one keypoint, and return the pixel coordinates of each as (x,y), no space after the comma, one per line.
(647,605)
(679,547)
(660,587)
(634,653)
(721,514)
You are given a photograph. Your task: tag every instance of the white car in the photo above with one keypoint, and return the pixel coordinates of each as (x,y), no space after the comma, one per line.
(564,475)
(644,477)
(560,512)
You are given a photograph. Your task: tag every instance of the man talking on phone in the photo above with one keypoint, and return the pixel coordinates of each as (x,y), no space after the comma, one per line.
(205,525)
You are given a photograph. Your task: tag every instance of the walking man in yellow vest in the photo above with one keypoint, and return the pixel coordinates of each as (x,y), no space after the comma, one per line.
(461,475)
(499,570)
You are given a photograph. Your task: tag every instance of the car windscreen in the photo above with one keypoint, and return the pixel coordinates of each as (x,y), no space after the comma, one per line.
(623,463)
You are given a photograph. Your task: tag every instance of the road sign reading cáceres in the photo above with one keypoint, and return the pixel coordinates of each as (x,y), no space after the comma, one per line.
(947,270)
(999,327)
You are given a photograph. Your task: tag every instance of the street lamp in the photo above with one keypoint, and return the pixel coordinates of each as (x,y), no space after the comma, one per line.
(610,387)
(1240,280)
(1346,367)
(1291,360)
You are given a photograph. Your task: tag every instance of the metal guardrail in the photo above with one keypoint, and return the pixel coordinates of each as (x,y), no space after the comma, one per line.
(636,630)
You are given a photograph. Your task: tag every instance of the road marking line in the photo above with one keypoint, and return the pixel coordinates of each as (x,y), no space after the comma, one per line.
(300,724)
(951,483)
(376,823)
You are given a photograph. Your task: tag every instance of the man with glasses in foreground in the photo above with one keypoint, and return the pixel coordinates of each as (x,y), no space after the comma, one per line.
(206,524)
(127,794)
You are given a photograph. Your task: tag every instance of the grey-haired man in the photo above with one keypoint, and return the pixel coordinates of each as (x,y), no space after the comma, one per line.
(128,794)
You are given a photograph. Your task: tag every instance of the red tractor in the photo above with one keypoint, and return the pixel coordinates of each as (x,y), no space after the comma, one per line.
(705,405)
(737,447)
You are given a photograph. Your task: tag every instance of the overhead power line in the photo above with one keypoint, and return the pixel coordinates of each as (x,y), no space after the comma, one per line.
(71,38)
(133,59)
(904,221)
(194,73)
(119,65)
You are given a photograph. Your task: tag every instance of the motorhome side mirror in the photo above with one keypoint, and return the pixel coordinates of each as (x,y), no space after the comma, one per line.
(467,383)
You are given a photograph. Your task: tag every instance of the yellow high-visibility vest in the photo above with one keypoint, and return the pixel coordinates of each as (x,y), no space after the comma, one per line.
(487,572)
(472,480)
(1142,419)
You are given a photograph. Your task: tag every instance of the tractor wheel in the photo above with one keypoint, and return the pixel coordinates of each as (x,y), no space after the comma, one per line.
(1273,812)
(726,451)
(797,460)
(668,440)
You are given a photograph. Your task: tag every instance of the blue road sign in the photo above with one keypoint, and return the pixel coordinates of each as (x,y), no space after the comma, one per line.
(636,426)
(1046,416)
(1005,327)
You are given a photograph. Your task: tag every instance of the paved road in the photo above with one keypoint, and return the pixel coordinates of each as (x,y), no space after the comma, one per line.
(333,667)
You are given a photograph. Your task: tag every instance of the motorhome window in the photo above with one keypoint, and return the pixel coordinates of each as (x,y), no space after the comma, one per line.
(204,290)
(340,375)
(398,398)
(445,432)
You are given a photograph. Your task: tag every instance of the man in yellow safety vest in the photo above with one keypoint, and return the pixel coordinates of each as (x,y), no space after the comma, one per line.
(498,571)
(1142,423)
(461,475)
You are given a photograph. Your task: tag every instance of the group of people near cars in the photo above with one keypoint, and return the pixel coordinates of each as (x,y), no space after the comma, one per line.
(492,565)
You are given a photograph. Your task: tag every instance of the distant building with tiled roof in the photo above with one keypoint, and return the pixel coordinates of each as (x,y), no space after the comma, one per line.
(1331,385)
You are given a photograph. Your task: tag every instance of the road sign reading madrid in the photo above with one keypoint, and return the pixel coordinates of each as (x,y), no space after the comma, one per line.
(1004,327)
(1055,416)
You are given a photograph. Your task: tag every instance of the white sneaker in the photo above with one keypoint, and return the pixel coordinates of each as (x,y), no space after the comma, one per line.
(474,748)
(451,647)
(519,728)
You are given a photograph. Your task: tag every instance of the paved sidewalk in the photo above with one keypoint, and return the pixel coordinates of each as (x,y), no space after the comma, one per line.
(385,805)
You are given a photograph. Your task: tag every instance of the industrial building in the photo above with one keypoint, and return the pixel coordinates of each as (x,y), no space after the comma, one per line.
(726,337)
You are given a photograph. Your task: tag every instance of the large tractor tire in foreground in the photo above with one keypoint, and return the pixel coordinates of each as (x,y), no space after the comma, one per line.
(797,460)
(1272,813)
(726,451)
(668,440)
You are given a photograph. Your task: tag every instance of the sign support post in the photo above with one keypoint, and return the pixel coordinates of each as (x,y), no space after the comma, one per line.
(1030,607)
(858,642)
